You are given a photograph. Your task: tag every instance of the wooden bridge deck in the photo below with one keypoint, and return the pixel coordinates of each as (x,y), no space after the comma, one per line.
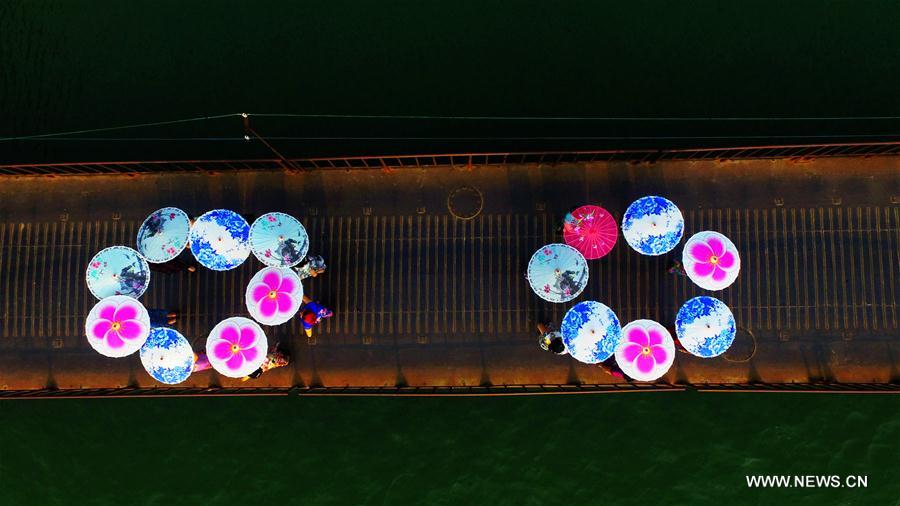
(424,298)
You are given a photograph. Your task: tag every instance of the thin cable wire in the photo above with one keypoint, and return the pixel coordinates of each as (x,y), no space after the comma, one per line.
(486,138)
(448,118)
(577,118)
(120,127)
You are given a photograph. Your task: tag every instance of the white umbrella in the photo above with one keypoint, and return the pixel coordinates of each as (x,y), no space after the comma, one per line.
(652,225)
(557,272)
(591,332)
(117,326)
(220,240)
(236,347)
(167,356)
(711,260)
(164,234)
(646,351)
(705,326)
(278,240)
(274,295)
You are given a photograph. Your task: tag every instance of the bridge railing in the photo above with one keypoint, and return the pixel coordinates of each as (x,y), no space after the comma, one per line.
(794,151)
(447,391)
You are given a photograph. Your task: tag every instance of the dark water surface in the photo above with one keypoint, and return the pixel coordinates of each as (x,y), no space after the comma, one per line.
(69,65)
(641,448)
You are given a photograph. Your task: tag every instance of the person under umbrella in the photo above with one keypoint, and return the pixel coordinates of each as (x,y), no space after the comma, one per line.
(677,269)
(163,237)
(201,361)
(278,240)
(274,359)
(118,270)
(551,340)
(183,262)
(557,272)
(591,230)
(312,313)
(314,266)
(162,317)
(219,240)
(613,370)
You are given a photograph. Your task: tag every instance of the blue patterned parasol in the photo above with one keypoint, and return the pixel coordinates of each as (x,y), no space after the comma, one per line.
(591,332)
(118,270)
(705,326)
(167,356)
(557,272)
(220,240)
(278,240)
(653,225)
(163,235)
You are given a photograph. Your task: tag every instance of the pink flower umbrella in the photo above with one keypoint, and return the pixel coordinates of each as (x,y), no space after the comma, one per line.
(274,295)
(646,351)
(236,347)
(711,260)
(117,326)
(591,230)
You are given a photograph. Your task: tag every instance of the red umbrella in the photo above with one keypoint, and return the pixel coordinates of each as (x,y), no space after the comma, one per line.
(591,230)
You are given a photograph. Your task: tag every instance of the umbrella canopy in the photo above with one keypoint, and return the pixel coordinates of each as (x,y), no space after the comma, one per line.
(167,356)
(591,332)
(711,260)
(163,235)
(652,225)
(274,295)
(220,240)
(646,351)
(278,240)
(117,270)
(236,347)
(117,326)
(591,230)
(557,272)
(705,326)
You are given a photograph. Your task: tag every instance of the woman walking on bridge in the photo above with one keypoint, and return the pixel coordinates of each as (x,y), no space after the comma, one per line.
(312,313)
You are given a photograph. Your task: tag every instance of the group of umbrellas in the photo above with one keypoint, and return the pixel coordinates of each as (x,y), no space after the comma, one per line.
(643,349)
(119,325)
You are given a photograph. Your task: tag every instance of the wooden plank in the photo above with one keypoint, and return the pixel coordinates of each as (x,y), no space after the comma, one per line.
(852,269)
(863,292)
(823,266)
(844,295)
(759,317)
(356,315)
(873,296)
(420,273)
(748,272)
(814,266)
(519,263)
(14,235)
(411,276)
(796,254)
(892,259)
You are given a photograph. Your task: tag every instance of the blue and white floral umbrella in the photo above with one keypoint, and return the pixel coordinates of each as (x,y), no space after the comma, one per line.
(557,272)
(652,225)
(591,332)
(278,240)
(705,326)
(118,270)
(220,240)
(164,234)
(167,356)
